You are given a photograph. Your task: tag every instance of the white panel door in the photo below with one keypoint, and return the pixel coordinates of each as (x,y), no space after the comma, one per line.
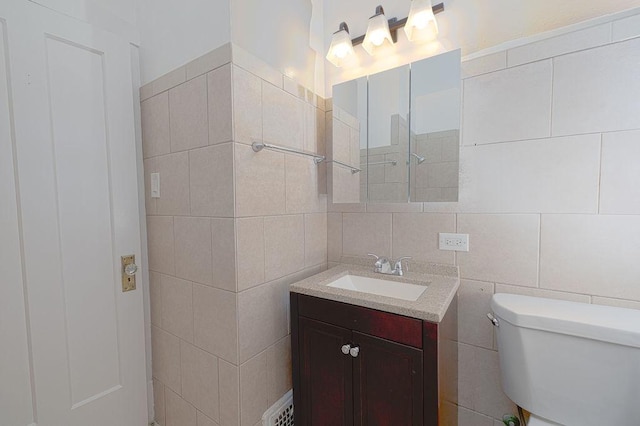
(76,168)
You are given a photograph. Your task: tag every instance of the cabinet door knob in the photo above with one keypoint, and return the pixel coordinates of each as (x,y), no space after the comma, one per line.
(346,348)
(354,351)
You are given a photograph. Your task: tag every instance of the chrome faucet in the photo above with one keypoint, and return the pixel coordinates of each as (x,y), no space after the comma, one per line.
(383,265)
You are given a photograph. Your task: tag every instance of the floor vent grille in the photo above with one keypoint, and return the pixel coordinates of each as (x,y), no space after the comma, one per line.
(280,413)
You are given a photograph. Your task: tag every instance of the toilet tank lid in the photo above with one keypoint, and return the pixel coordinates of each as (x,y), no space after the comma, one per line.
(605,323)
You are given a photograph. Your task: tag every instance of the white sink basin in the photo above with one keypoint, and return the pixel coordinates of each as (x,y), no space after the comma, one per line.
(395,289)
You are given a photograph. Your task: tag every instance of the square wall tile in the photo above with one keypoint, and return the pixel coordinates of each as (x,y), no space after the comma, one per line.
(158,402)
(416,235)
(203,420)
(364,233)
(188,115)
(220,105)
(603,95)
(619,189)
(262,318)
(165,358)
(250,252)
(209,61)
(200,379)
(215,323)
(284,245)
(512,104)
(177,307)
(155,296)
(545,294)
(174,184)
(160,244)
(229,378)
(589,254)
(224,253)
(302,185)
(254,399)
(247,106)
(502,248)
(179,411)
(474,302)
(211,181)
(279,369)
(260,182)
(315,239)
(334,236)
(282,117)
(193,249)
(155,125)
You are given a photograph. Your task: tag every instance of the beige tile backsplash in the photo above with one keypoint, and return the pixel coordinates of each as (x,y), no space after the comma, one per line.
(547,191)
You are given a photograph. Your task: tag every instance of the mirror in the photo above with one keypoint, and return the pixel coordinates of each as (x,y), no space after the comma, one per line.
(396,134)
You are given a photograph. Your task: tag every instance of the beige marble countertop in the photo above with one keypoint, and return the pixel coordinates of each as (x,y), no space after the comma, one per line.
(442,283)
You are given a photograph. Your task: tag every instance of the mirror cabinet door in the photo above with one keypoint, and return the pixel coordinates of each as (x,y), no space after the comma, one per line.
(347,178)
(435,128)
(388,145)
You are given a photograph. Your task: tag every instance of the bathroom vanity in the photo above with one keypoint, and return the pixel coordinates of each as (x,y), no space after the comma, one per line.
(361,358)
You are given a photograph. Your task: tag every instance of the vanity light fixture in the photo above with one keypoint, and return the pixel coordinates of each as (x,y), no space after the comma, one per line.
(420,25)
(378,32)
(341,47)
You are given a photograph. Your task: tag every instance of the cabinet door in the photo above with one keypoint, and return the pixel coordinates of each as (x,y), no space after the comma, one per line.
(387,383)
(326,375)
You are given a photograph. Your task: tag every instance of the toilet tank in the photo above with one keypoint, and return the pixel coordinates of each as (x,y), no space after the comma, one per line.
(571,363)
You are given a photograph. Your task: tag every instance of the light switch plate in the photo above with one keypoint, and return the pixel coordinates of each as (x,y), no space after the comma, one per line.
(453,242)
(155,185)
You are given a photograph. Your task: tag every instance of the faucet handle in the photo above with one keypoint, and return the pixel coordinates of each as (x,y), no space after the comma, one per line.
(373,255)
(398,264)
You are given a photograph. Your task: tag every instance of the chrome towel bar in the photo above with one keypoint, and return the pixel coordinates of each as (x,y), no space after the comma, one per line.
(259,146)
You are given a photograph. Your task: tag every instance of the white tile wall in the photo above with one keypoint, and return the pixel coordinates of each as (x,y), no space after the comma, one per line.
(619,183)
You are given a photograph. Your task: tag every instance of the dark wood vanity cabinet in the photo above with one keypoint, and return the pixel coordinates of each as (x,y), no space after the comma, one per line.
(397,370)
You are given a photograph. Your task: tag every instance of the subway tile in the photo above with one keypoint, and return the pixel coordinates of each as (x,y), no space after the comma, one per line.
(284,245)
(174,184)
(177,307)
(220,103)
(179,411)
(315,239)
(229,378)
(262,318)
(158,402)
(200,379)
(193,249)
(260,182)
(209,61)
(562,44)
(211,181)
(364,233)
(474,303)
(334,236)
(165,354)
(279,369)
(215,325)
(150,204)
(416,235)
(247,106)
(282,117)
(479,387)
(254,399)
(188,119)
(301,175)
(161,244)
(508,105)
(155,125)
(502,248)
(224,253)
(603,96)
(484,64)
(538,292)
(557,175)
(591,254)
(250,252)
(626,28)
(619,189)
(618,303)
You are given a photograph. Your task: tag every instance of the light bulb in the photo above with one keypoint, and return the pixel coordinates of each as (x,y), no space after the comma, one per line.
(341,51)
(421,20)
(377,38)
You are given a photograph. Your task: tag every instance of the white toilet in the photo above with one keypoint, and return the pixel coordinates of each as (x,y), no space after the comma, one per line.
(568,363)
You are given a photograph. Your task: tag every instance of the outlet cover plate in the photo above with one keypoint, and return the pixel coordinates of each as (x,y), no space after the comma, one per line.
(453,242)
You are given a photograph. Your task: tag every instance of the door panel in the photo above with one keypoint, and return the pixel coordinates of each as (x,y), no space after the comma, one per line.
(326,375)
(76,164)
(387,381)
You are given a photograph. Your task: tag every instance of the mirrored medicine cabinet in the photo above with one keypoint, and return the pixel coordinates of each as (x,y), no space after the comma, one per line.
(396,134)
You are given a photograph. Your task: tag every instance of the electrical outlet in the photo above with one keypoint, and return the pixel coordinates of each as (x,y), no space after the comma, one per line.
(454,242)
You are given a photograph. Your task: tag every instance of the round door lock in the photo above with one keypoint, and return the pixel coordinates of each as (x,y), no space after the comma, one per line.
(131,269)
(354,351)
(345,349)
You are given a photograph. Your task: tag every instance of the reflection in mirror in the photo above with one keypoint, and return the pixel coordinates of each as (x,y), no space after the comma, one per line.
(349,136)
(435,128)
(386,153)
